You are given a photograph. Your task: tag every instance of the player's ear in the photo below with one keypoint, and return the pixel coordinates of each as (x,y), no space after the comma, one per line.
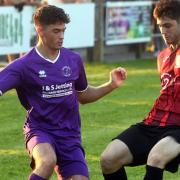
(39,30)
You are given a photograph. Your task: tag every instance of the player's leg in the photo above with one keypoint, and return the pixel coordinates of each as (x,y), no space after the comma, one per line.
(59,176)
(41,149)
(45,161)
(113,158)
(131,147)
(163,153)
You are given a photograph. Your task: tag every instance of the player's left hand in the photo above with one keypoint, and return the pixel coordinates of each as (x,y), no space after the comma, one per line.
(117,76)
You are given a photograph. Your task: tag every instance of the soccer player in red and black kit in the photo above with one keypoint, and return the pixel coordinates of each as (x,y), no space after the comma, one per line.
(156,140)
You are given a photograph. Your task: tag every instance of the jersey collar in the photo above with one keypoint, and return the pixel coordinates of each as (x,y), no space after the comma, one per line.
(49,60)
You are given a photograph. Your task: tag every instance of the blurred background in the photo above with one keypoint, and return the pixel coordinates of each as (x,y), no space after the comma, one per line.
(101,30)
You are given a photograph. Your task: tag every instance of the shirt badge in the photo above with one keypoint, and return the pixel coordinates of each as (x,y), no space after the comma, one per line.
(42,73)
(66,70)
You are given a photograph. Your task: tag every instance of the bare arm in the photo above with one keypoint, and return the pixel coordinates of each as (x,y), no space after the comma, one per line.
(117,76)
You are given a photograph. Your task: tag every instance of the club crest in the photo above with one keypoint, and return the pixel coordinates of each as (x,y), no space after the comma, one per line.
(66,70)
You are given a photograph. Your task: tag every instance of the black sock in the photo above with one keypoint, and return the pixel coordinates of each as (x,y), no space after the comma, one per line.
(153,173)
(118,175)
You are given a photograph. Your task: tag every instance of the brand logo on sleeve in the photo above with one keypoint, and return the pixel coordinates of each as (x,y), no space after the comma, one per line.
(66,70)
(42,74)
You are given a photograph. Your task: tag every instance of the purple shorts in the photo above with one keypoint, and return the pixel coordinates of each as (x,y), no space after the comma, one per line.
(70,154)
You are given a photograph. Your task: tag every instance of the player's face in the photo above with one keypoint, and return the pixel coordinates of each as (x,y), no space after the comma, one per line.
(53,35)
(170,30)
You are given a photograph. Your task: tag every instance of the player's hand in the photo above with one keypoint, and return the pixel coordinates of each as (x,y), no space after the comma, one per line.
(117,76)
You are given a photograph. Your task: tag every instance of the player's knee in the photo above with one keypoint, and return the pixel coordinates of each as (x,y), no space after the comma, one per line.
(108,164)
(46,164)
(156,159)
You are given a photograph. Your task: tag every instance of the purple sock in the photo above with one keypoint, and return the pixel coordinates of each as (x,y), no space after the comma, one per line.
(35,177)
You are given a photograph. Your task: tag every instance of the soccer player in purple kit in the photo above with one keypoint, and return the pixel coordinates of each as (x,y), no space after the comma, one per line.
(50,82)
(156,140)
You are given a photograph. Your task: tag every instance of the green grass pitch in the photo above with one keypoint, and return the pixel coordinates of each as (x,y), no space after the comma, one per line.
(101,121)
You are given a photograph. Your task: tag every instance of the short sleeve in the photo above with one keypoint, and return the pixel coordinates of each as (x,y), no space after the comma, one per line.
(81,83)
(10,77)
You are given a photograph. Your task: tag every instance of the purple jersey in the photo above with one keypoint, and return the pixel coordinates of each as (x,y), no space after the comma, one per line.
(48,90)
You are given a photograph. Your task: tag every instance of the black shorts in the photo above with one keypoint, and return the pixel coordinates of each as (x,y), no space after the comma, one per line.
(141,138)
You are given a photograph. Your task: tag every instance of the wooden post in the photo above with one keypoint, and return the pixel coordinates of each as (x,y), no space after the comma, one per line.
(139,50)
(98,49)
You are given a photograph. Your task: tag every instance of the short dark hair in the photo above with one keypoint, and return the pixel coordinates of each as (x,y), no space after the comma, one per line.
(49,14)
(167,8)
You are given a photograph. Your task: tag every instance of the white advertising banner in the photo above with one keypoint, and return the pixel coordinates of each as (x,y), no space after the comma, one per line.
(15,29)
(17,33)
(128,22)
(80,31)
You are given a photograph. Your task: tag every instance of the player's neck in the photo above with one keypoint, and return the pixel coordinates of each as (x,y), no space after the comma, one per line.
(46,52)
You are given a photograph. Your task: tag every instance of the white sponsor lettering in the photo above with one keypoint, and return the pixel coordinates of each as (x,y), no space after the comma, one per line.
(57,90)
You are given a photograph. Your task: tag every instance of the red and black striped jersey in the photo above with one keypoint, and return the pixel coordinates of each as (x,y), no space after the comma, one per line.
(166,109)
